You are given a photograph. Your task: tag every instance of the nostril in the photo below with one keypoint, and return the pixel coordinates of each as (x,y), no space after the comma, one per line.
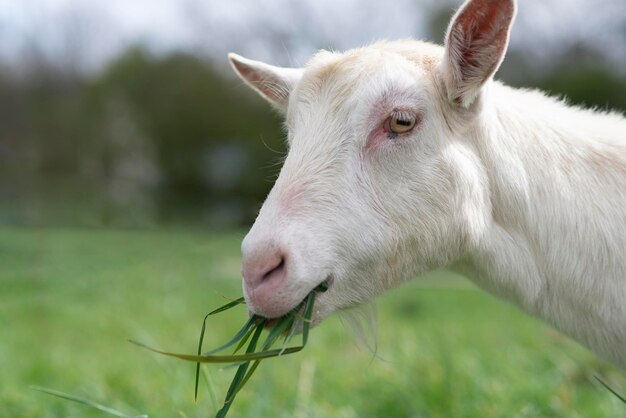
(264,268)
(274,271)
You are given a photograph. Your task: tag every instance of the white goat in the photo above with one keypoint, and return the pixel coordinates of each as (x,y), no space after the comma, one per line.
(406,157)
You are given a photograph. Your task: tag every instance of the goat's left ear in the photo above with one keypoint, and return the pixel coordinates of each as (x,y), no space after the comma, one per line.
(475,45)
(274,84)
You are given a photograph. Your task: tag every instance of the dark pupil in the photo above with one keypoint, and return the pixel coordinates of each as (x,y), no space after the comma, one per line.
(403,122)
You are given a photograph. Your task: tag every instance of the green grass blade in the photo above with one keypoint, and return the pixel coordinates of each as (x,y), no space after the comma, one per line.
(322,287)
(240,374)
(238,301)
(195,391)
(244,340)
(610,389)
(277,330)
(82,401)
(290,322)
(308,314)
(248,376)
(218,310)
(240,334)
(228,401)
(241,371)
(294,328)
(237,358)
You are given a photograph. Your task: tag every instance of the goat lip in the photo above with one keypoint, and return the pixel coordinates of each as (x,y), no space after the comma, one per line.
(271,320)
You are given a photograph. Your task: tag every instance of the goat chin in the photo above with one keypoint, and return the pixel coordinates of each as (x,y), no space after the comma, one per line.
(361,322)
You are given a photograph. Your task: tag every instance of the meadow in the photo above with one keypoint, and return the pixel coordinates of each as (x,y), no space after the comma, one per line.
(71,298)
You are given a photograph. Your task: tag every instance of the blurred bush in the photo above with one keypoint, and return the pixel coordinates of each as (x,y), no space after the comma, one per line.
(148,140)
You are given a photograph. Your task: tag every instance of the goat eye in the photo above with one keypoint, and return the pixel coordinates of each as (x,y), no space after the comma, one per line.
(400,122)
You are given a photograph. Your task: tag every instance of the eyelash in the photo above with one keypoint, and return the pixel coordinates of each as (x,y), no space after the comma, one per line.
(400,123)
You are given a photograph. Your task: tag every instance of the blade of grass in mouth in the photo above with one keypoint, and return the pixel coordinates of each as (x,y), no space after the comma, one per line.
(224,359)
(287,325)
(239,375)
(238,336)
(295,326)
(308,314)
(229,305)
(243,341)
(279,329)
(289,322)
(232,304)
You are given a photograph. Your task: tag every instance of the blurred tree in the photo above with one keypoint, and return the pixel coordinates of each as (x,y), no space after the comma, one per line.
(188,110)
(586,78)
(143,131)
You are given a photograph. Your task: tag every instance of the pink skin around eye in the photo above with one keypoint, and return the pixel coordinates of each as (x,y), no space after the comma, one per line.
(390,102)
(380,136)
(377,137)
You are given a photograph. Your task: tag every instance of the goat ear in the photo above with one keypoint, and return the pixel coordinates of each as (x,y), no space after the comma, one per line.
(274,84)
(475,45)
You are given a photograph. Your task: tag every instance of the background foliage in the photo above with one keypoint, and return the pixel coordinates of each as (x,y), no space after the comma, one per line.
(171,136)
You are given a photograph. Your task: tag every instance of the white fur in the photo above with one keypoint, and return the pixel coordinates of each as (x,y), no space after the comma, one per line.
(521,192)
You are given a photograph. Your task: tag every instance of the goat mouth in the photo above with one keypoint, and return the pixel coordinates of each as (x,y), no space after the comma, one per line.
(325,285)
(299,309)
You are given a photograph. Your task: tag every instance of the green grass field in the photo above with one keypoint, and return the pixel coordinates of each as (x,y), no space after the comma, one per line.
(70,299)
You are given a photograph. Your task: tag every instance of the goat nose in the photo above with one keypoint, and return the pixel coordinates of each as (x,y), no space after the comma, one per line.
(266,268)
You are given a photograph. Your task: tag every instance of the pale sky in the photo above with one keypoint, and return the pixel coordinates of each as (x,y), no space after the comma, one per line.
(281,31)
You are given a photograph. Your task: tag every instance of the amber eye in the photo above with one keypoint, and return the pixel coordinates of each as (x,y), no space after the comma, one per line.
(400,122)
